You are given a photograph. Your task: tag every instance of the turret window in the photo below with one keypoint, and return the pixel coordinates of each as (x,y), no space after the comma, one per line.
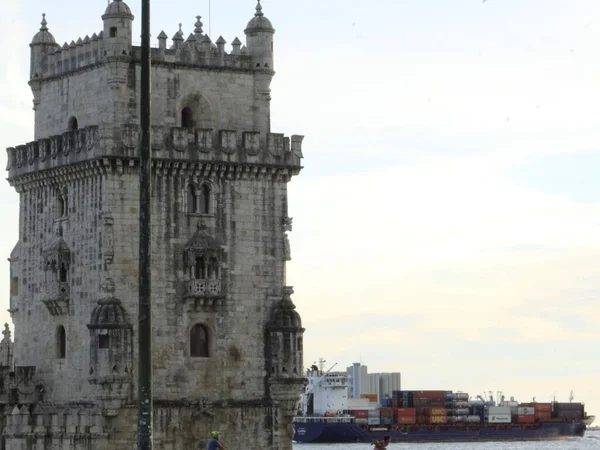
(199,199)
(192,199)
(62,273)
(61,342)
(205,199)
(199,269)
(73,125)
(187,118)
(199,342)
(103,341)
(113,32)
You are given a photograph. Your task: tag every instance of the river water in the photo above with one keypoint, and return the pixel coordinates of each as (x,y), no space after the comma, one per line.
(591,441)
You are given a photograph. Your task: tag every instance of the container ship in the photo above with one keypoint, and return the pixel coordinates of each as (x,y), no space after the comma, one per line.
(427,416)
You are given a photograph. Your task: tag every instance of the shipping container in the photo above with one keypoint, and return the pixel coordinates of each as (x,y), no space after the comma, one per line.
(361,420)
(373,413)
(458,412)
(429,394)
(396,403)
(457,419)
(498,418)
(542,415)
(525,411)
(436,419)
(473,419)
(387,420)
(406,420)
(374,421)
(435,412)
(386,412)
(405,412)
(460,404)
(494,410)
(527,418)
(396,394)
(567,406)
(539,407)
(461,396)
(360,413)
(370,397)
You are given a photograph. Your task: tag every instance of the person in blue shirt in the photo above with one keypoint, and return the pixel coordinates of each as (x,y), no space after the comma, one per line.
(214,443)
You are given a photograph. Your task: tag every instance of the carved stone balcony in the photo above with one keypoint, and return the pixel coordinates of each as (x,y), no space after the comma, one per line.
(56,298)
(206,294)
(203,288)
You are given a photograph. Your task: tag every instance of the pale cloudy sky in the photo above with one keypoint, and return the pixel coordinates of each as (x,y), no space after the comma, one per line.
(447,221)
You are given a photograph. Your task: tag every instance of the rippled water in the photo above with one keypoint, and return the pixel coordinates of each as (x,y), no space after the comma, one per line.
(591,441)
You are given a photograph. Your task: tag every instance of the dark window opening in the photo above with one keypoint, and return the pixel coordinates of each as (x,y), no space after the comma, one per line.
(192,199)
(62,273)
(61,343)
(14,286)
(213,269)
(205,199)
(187,118)
(199,341)
(103,341)
(300,344)
(113,32)
(61,207)
(199,269)
(73,124)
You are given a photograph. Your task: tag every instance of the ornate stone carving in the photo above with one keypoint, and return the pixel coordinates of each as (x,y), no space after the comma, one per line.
(287,223)
(275,144)
(108,238)
(204,140)
(179,137)
(251,142)
(228,141)
(130,136)
(158,138)
(287,252)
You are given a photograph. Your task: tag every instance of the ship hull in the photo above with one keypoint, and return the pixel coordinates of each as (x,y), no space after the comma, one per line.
(350,432)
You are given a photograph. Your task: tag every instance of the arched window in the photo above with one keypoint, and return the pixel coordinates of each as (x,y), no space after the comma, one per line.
(62,273)
(187,118)
(73,123)
(213,269)
(192,199)
(61,342)
(199,341)
(200,268)
(205,199)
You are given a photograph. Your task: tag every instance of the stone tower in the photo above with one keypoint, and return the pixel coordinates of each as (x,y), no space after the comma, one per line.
(227,340)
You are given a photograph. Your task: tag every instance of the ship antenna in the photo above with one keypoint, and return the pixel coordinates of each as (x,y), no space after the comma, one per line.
(571,397)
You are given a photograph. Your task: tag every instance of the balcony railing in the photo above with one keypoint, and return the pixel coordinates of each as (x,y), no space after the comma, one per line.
(203,288)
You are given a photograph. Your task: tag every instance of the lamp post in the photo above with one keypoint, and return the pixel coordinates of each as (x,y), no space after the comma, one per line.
(144,428)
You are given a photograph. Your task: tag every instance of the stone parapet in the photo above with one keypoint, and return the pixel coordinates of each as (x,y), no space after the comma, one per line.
(254,150)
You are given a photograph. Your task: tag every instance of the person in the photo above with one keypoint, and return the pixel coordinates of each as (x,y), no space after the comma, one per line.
(380,445)
(214,443)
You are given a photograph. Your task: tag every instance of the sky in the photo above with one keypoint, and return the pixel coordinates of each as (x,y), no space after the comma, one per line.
(447,220)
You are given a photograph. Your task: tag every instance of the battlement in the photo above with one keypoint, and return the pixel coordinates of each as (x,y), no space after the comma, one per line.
(89,52)
(229,147)
(51,60)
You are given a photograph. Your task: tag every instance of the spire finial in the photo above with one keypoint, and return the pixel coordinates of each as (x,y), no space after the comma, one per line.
(258,10)
(198,25)
(44,23)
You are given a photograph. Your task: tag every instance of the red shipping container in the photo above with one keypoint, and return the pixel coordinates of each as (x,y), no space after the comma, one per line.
(405,412)
(360,413)
(526,419)
(386,412)
(396,403)
(429,394)
(406,420)
(539,407)
(543,415)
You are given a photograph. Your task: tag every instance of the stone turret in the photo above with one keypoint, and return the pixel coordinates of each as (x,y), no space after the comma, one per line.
(259,39)
(117,29)
(42,44)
